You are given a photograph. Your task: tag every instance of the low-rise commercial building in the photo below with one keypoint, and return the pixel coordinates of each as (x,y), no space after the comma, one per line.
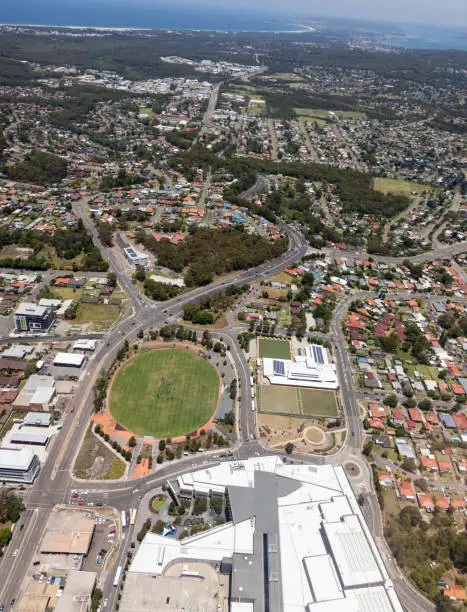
(296,539)
(19,465)
(24,437)
(84,345)
(310,368)
(37,394)
(135,257)
(70,360)
(68,532)
(37,419)
(77,594)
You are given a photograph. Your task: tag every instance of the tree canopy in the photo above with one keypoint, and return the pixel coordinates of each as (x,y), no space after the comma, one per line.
(39,168)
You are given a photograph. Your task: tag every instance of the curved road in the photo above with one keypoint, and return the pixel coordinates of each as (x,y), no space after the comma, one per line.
(55,480)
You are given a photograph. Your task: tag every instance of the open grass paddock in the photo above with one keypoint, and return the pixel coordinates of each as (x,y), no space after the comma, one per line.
(164,393)
(298,401)
(274,349)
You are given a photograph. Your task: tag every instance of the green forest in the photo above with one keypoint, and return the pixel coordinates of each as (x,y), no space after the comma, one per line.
(38,168)
(354,188)
(207,253)
(425,551)
(68,244)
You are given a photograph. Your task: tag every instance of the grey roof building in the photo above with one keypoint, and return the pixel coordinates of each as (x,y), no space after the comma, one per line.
(37,419)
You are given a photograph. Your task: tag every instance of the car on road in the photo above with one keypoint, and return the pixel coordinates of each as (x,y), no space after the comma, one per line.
(15,552)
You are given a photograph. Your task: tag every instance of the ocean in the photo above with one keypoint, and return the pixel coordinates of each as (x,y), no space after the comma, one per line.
(184,15)
(414,36)
(158,14)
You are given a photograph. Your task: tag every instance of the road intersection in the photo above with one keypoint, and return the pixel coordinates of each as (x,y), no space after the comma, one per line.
(55,481)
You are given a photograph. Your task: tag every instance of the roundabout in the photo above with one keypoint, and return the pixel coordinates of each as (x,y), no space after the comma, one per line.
(165,393)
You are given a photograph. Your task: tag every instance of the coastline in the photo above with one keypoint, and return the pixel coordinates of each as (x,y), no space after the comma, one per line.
(304,29)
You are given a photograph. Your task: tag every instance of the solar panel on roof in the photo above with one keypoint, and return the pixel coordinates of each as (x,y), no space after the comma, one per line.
(305,375)
(278,367)
(317,354)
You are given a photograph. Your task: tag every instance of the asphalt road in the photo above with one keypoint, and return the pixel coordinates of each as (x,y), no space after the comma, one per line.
(446,251)
(55,481)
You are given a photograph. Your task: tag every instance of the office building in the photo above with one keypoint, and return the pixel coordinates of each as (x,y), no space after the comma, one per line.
(32,318)
(19,465)
(135,257)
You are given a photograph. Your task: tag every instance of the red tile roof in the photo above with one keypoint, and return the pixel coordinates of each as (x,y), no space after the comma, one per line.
(415,415)
(429,463)
(444,464)
(407,490)
(455,592)
(443,503)
(425,501)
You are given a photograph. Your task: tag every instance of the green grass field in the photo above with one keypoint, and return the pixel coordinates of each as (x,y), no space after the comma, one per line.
(157,504)
(286,76)
(319,402)
(298,401)
(164,393)
(279,399)
(275,349)
(319,122)
(257,106)
(322,113)
(387,185)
